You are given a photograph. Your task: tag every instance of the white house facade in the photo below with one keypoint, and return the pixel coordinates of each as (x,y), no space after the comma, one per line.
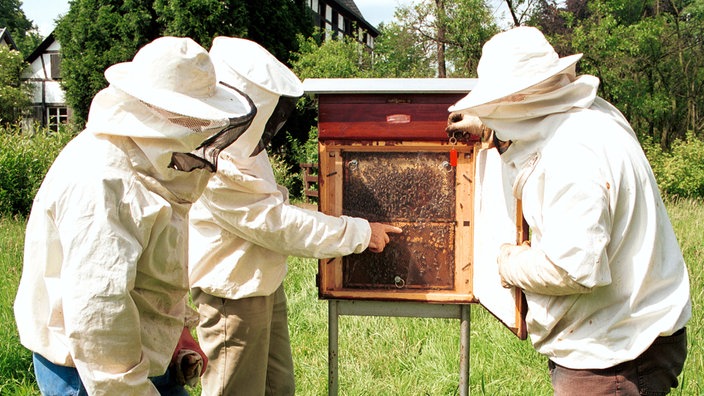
(44,74)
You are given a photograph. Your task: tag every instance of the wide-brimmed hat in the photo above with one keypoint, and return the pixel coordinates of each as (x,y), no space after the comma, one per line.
(176,74)
(274,88)
(241,59)
(511,62)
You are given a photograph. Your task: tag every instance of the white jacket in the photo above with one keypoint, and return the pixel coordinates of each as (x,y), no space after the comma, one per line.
(595,212)
(243,229)
(104,281)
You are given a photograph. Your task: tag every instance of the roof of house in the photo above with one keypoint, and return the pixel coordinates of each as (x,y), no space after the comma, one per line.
(351,7)
(41,48)
(5,36)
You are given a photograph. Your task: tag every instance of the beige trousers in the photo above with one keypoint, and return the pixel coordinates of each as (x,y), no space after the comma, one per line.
(247,344)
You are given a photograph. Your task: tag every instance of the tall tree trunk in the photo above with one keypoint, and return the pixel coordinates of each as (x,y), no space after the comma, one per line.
(440,17)
(511,9)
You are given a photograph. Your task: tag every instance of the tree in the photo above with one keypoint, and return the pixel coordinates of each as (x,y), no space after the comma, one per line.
(450,32)
(337,58)
(24,33)
(14,94)
(202,20)
(469,25)
(93,36)
(520,10)
(398,53)
(650,66)
(273,24)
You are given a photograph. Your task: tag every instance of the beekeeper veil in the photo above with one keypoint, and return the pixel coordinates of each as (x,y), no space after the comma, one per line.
(245,65)
(169,101)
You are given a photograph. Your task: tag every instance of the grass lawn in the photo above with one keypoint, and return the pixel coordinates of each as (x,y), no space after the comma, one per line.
(382,355)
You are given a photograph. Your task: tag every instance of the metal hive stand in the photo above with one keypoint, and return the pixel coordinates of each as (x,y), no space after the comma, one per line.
(336,308)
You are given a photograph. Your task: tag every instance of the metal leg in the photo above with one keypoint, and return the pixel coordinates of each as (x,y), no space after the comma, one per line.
(464,350)
(394,309)
(332,347)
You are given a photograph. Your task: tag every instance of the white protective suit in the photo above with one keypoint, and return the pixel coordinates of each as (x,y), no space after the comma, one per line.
(112,215)
(604,275)
(243,228)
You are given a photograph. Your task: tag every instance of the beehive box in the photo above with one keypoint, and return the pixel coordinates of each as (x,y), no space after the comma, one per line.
(384,156)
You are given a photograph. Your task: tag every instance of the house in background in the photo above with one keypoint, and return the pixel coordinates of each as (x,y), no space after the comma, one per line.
(6,39)
(49,106)
(342,18)
(336,17)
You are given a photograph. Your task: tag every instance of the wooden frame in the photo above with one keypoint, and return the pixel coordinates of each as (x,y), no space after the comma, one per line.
(367,118)
(331,193)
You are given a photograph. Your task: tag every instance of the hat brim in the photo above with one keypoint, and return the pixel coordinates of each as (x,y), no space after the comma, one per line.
(484,92)
(226,103)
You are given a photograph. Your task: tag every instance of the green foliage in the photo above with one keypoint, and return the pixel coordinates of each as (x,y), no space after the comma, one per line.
(202,20)
(24,160)
(282,173)
(14,94)
(340,58)
(431,36)
(306,152)
(301,153)
(649,57)
(679,171)
(273,23)
(469,25)
(23,31)
(398,54)
(95,35)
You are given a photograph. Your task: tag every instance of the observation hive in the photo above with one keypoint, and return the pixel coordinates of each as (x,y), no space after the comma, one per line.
(384,156)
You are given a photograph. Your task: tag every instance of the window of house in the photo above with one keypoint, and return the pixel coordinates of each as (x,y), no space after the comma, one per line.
(56,116)
(55,66)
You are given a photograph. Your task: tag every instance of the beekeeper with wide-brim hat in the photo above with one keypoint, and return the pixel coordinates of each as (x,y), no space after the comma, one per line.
(243,229)
(102,299)
(604,277)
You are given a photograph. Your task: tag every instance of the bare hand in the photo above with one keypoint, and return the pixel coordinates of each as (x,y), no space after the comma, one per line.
(465,127)
(380,236)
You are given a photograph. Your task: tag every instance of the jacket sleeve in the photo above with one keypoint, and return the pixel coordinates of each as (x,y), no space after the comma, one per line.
(102,324)
(250,205)
(530,270)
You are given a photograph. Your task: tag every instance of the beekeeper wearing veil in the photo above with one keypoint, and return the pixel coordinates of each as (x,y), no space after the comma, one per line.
(102,299)
(242,230)
(605,281)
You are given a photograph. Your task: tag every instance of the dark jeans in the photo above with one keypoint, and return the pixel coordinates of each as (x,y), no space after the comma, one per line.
(55,380)
(654,372)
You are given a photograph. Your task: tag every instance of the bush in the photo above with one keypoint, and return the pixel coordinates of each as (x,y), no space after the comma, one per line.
(282,173)
(24,160)
(680,171)
(286,162)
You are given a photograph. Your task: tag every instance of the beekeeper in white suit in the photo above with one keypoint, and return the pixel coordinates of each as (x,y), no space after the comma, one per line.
(243,229)
(102,299)
(606,284)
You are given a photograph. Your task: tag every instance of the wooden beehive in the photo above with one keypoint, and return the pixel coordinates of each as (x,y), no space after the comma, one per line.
(384,156)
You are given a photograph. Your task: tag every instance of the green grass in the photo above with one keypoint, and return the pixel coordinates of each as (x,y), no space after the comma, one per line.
(16,376)
(386,355)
